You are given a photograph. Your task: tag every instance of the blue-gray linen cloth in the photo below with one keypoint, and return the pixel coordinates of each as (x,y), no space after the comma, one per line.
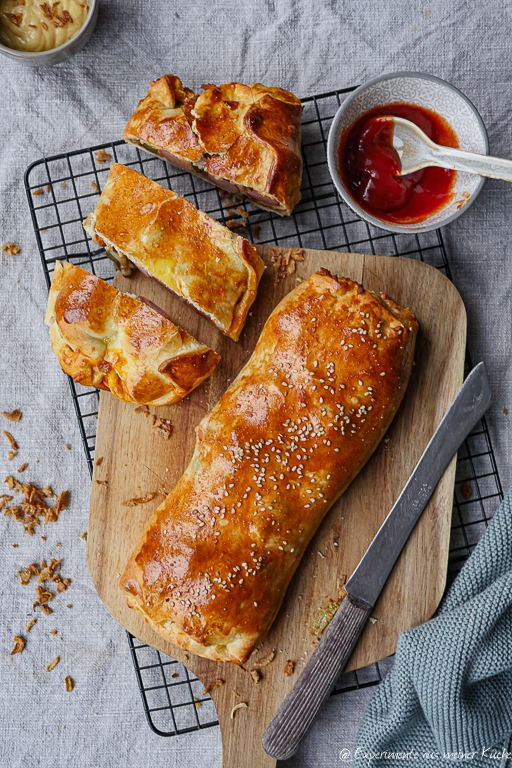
(448,698)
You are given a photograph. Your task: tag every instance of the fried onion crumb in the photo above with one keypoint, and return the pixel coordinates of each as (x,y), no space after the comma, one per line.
(13,415)
(19,645)
(53,664)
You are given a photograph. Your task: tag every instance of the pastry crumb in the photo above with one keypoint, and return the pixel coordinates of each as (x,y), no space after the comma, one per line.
(53,664)
(69,684)
(99,461)
(140,500)
(23,467)
(94,186)
(30,625)
(288,668)
(234,224)
(101,482)
(255,676)
(241,705)
(102,156)
(10,249)
(268,659)
(144,409)
(323,618)
(211,686)
(37,192)
(164,428)
(466,490)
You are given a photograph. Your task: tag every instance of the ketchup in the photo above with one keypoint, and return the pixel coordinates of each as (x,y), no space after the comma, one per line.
(369,165)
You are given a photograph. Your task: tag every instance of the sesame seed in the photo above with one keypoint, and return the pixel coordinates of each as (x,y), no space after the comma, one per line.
(383,373)
(255,604)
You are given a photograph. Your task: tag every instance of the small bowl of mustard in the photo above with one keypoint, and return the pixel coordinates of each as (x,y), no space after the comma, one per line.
(45,33)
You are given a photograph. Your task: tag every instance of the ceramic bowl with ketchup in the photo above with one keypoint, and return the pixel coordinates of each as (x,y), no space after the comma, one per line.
(365,167)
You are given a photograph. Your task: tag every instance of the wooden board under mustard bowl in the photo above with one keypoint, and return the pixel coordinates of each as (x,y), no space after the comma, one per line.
(137,460)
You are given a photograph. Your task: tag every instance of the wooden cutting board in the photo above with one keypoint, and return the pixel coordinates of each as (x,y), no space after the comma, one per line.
(137,460)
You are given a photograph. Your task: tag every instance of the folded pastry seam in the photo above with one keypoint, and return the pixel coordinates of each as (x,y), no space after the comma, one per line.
(246,139)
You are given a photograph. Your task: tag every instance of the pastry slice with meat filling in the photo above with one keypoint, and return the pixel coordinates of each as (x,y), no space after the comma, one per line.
(111,340)
(141,223)
(246,139)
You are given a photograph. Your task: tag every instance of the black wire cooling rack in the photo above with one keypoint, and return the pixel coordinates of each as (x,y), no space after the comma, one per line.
(62,190)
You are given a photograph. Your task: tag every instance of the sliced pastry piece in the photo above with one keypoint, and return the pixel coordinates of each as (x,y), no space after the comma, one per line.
(111,340)
(286,439)
(243,138)
(167,238)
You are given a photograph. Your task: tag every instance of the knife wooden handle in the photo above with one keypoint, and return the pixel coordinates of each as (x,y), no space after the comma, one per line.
(296,715)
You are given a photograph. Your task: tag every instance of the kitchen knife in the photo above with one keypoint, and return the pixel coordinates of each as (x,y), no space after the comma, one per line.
(295,717)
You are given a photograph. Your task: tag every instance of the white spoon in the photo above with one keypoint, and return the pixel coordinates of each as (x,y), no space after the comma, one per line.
(416,151)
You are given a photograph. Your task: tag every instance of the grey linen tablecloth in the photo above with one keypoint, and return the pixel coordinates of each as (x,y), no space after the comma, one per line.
(308,47)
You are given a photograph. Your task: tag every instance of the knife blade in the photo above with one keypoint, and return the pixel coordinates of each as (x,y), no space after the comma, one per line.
(296,715)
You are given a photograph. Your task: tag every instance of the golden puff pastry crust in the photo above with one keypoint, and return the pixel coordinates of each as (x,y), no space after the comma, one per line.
(282,444)
(243,138)
(167,238)
(107,339)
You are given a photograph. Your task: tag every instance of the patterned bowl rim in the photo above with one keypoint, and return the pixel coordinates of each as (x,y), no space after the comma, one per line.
(332,154)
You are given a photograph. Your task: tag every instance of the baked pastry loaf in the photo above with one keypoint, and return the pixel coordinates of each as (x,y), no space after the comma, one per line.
(167,238)
(107,339)
(243,138)
(282,444)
